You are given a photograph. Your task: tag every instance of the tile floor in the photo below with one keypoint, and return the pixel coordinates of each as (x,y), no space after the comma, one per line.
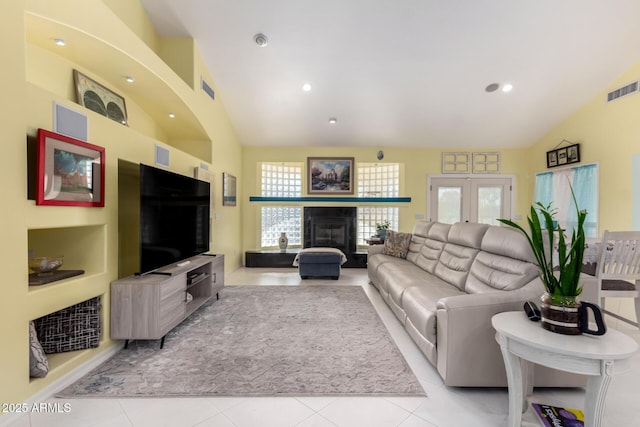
(444,406)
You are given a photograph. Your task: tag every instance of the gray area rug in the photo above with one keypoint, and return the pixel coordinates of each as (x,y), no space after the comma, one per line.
(263,341)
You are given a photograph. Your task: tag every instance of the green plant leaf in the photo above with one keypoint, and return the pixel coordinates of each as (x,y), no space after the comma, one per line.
(562,281)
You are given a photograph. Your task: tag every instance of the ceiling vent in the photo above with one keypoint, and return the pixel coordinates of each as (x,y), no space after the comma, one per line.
(207,89)
(623,91)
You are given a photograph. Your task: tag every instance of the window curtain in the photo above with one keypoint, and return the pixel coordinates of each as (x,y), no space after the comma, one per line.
(555,188)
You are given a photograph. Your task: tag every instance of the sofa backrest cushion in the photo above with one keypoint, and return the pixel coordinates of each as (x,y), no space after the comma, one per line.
(467,234)
(507,242)
(490,272)
(421,228)
(432,247)
(418,236)
(415,245)
(439,231)
(454,264)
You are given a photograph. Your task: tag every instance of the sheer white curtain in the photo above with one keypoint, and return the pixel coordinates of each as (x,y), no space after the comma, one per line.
(555,187)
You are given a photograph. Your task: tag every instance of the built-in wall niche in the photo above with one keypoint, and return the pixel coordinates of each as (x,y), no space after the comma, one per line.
(83,247)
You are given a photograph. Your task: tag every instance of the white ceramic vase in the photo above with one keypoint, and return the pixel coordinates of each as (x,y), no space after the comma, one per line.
(283,241)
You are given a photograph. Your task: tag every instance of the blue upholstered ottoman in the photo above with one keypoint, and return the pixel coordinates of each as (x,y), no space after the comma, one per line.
(321,263)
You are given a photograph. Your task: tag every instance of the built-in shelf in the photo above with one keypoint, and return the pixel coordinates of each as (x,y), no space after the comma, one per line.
(82,248)
(331,199)
(157,89)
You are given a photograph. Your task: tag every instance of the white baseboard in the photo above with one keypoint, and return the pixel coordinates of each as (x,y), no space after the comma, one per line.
(57,385)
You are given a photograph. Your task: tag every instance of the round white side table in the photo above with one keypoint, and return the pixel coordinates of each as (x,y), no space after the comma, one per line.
(599,357)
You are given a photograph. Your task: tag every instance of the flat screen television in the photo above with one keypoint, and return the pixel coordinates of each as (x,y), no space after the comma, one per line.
(163,218)
(174,217)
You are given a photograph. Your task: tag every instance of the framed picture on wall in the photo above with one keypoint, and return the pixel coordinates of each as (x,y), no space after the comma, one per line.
(98,98)
(69,172)
(330,175)
(563,156)
(228,189)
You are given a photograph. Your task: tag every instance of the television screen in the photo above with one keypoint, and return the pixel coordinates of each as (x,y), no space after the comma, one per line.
(174,217)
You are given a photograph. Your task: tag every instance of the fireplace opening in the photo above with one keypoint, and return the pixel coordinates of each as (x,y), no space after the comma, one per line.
(332,227)
(329,235)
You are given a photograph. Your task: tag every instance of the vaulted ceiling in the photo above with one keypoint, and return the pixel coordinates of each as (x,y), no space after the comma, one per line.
(406,73)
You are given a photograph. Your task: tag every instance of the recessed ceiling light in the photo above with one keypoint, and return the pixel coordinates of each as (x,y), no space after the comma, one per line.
(492,87)
(306,87)
(507,88)
(260,39)
(171,115)
(333,120)
(129,79)
(60,42)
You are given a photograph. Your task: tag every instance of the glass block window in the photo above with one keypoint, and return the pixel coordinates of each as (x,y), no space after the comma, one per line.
(281,180)
(377,180)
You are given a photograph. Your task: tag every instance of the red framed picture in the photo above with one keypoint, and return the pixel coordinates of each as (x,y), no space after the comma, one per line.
(70,172)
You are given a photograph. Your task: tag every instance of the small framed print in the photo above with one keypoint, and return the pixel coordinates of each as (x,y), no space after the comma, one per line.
(98,98)
(573,154)
(563,156)
(228,189)
(69,172)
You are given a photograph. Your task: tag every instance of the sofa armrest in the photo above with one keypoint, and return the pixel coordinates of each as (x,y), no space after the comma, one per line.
(375,249)
(467,349)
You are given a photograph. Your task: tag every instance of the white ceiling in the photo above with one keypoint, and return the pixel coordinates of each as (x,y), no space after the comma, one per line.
(405,73)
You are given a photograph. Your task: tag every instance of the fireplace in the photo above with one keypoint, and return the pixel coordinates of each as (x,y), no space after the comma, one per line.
(333,227)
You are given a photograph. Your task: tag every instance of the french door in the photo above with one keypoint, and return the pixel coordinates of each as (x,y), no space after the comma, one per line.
(479,199)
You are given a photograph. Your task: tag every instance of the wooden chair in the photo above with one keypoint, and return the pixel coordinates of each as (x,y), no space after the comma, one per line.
(618,270)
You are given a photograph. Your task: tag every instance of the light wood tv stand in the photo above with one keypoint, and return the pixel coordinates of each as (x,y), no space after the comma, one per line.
(147,307)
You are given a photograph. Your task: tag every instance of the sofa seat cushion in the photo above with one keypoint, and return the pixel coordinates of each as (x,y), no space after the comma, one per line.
(419,304)
(396,276)
(374,262)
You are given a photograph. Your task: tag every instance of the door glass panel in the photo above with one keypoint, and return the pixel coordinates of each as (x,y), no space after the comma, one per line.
(449,204)
(489,205)
(469,199)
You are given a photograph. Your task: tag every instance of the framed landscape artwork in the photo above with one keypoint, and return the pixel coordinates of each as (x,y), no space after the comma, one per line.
(330,175)
(69,172)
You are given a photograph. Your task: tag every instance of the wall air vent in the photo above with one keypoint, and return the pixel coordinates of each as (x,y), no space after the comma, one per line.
(623,91)
(207,89)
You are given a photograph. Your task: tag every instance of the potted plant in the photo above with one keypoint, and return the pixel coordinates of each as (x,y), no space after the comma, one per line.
(561,281)
(381,228)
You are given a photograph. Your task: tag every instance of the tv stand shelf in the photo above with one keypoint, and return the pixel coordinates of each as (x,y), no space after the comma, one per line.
(150,306)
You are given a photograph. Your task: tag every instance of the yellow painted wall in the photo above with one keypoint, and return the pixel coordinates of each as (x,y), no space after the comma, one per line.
(178,53)
(88,237)
(13,223)
(608,133)
(416,164)
(134,16)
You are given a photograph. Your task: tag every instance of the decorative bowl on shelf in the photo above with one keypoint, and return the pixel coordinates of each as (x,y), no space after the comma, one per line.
(42,265)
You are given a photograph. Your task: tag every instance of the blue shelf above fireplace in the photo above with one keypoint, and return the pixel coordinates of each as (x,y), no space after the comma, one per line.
(332,199)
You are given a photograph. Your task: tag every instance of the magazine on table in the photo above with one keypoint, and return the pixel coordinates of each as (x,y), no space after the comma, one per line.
(554,416)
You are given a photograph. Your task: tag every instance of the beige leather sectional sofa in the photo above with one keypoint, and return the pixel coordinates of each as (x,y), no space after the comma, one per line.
(453,280)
